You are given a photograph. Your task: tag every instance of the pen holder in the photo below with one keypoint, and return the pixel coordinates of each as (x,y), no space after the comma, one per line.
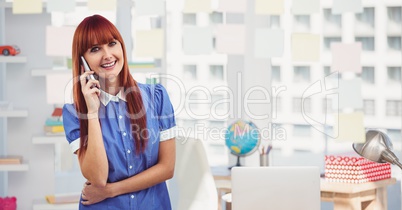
(264,160)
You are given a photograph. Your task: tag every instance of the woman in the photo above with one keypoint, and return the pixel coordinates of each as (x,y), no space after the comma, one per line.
(122,131)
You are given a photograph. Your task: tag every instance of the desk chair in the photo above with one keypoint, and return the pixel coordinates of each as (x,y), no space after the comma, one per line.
(192,186)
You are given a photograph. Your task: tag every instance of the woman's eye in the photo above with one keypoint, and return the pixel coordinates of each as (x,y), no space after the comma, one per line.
(112,43)
(94,49)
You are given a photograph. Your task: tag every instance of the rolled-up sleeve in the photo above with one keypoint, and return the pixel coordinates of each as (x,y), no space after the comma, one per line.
(71,126)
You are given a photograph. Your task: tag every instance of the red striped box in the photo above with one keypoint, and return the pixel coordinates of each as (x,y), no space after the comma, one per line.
(346,169)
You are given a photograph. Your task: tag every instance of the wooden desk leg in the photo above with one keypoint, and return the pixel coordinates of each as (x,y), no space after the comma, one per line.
(219,200)
(347,202)
(379,203)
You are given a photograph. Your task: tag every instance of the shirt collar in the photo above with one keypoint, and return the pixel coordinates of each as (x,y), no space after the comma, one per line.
(105,97)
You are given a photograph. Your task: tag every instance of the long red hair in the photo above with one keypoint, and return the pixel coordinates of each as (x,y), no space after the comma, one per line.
(98,30)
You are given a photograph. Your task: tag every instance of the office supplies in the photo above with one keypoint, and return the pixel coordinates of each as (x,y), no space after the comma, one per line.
(278,188)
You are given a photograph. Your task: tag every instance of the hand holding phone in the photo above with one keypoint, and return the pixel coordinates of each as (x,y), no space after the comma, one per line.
(86,68)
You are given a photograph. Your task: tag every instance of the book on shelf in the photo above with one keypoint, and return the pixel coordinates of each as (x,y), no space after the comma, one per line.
(53,122)
(11,159)
(54,129)
(57,112)
(63,198)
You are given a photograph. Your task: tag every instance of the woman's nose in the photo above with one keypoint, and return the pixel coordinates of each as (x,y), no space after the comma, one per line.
(107,54)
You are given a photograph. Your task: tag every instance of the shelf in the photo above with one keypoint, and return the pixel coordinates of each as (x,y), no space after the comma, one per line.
(145,70)
(56,139)
(44,72)
(12,59)
(14,167)
(43,205)
(13,113)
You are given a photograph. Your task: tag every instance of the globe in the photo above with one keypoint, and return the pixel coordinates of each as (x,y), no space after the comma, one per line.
(242,138)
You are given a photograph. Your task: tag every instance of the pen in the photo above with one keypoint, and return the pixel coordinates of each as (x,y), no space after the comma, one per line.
(268,149)
(262,150)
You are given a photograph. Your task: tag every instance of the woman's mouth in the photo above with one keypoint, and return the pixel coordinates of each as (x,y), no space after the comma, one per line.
(109,65)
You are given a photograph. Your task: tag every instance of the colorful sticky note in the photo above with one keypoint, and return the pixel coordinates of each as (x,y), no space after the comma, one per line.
(235,6)
(269,7)
(342,6)
(230,39)
(350,93)
(59,88)
(149,7)
(149,43)
(101,5)
(305,7)
(27,6)
(305,47)
(268,43)
(197,40)
(58,40)
(60,5)
(350,127)
(346,57)
(194,6)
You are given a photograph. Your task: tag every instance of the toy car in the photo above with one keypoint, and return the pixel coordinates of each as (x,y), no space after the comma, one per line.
(9,49)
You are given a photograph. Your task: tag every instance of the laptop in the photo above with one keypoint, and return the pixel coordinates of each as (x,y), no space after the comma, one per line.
(276,188)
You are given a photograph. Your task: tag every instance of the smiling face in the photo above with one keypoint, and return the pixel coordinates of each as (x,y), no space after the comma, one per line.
(102,46)
(106,60)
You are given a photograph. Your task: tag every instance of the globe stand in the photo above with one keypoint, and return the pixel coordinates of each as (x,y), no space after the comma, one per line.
(237,163)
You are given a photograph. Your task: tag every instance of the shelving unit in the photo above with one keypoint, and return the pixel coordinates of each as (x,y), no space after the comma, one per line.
(43,205)
(5,114)
(13,59)
(56,139)
(13,113)
(14,167)
(44,72)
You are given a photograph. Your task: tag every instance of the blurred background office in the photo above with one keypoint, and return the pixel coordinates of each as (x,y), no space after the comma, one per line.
(190,46)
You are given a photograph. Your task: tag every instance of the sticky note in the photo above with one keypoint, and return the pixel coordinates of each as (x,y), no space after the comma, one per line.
(194,6)
(269,7)
(197,40)
(346,57)
(149,43)
(235,6)
(58,40)
(101,5)
(149,7)
(343,6)
(305,47)
(268,43)
(230,39)
(27,6)
(350,93)
(350,127)
(305,7)
(60,5)
(59,88)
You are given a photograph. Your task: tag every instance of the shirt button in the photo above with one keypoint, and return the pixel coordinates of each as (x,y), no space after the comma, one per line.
(128,151)
(132,196)
(124,133)
(120,116)
(130,167)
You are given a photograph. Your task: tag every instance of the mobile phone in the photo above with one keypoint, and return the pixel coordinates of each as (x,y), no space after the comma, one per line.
(86,67)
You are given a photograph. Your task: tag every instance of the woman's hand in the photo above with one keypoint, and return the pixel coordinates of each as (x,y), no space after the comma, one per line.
(91,92)
(92,194)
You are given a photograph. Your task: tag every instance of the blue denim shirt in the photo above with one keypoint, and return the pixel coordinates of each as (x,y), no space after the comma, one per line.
(120,148)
